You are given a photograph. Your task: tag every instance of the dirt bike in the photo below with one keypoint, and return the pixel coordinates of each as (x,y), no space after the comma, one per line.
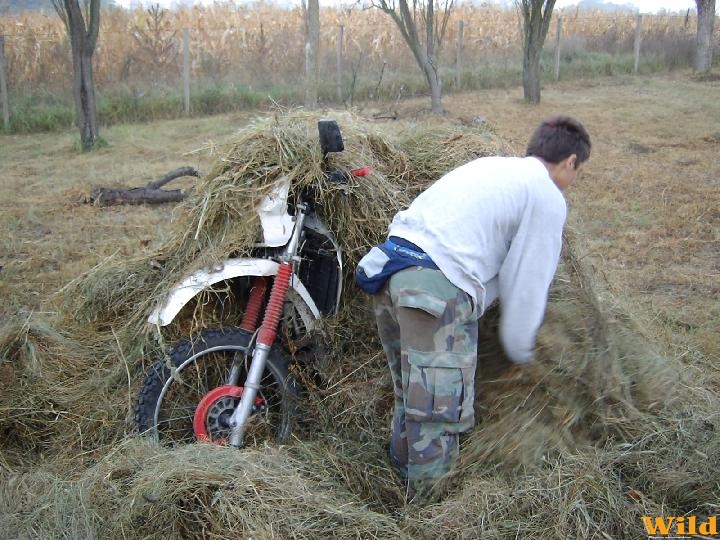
(226,385)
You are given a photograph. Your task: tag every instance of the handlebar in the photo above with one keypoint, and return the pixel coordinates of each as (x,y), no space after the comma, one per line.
(338,176)
(341,176)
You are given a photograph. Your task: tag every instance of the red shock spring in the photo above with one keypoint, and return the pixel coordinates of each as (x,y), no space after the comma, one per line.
(268,330)
(254,305)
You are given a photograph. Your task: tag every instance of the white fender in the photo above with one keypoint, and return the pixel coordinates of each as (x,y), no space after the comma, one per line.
(277,225)
(198,281)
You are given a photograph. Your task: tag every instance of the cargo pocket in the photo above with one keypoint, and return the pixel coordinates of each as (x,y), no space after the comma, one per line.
(440,387)
(430,291)
(429,303)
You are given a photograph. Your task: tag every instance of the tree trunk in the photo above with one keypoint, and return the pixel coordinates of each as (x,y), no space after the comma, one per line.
(431,71)
(536,23)
(531,76)
(82,30)
(432,75)
(433,78)
(704,44)
(312,46)
(84,94)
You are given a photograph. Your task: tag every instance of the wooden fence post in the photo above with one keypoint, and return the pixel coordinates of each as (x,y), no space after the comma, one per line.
(3,86)
(458,55)
(638,39)
(186,70)
(339,59)
(558,34)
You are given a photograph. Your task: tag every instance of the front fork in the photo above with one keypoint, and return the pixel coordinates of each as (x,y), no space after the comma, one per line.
(266,335)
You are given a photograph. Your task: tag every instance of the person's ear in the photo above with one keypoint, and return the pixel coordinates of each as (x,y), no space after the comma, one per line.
(572,161)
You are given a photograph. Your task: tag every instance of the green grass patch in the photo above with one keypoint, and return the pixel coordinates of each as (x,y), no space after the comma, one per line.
(132,105)
(39,113)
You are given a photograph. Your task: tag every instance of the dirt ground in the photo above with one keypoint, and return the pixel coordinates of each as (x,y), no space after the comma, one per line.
(645,210)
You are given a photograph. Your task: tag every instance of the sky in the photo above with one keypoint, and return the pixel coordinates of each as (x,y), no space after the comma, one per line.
(644,6)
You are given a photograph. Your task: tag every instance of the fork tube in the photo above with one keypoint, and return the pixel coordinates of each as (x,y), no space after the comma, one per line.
(268,331)
(240,416)
(266,337)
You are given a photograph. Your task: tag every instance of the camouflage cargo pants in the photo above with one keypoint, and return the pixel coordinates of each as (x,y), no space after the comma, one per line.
(429,333)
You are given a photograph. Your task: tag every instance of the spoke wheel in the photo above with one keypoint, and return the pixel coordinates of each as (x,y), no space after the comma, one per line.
(185,396)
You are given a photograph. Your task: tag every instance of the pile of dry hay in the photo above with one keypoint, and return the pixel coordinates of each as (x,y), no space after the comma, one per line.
(598,432)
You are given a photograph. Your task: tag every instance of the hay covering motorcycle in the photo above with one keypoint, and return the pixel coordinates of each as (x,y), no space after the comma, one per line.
(226,385)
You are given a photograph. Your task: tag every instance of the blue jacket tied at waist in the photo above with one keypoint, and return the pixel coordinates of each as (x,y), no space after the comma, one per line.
(384,260)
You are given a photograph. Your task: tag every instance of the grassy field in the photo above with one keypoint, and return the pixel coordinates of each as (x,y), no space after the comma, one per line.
(645,208)
(644,220)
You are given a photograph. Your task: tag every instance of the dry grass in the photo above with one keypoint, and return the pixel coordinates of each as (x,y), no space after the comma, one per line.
(616,419)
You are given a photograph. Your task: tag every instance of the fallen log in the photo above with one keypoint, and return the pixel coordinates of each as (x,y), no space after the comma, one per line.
(386,115)
(152,193)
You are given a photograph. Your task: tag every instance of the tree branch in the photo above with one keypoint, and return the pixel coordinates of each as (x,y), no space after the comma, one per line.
(150,194)
(60,10)
(93,23)
(172,175)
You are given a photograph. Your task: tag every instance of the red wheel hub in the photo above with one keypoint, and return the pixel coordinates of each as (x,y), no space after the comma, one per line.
(213,413)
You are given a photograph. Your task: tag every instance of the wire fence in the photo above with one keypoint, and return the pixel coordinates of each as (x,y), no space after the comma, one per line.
(239,56)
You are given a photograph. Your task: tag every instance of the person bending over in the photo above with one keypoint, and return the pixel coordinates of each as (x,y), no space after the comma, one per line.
(490,229)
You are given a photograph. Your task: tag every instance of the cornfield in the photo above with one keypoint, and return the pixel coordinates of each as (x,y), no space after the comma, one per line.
(263,46)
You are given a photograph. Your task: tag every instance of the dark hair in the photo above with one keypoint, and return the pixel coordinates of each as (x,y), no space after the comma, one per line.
(557,138)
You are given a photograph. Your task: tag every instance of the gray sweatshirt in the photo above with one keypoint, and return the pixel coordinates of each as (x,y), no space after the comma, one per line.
(494,228)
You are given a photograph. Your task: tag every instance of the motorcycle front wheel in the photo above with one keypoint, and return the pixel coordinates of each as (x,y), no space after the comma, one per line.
(185,396)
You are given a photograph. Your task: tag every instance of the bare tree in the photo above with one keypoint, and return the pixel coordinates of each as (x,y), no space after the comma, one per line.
(82,25)
(536,22)
(705,23)
(312,48)
(434,18)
